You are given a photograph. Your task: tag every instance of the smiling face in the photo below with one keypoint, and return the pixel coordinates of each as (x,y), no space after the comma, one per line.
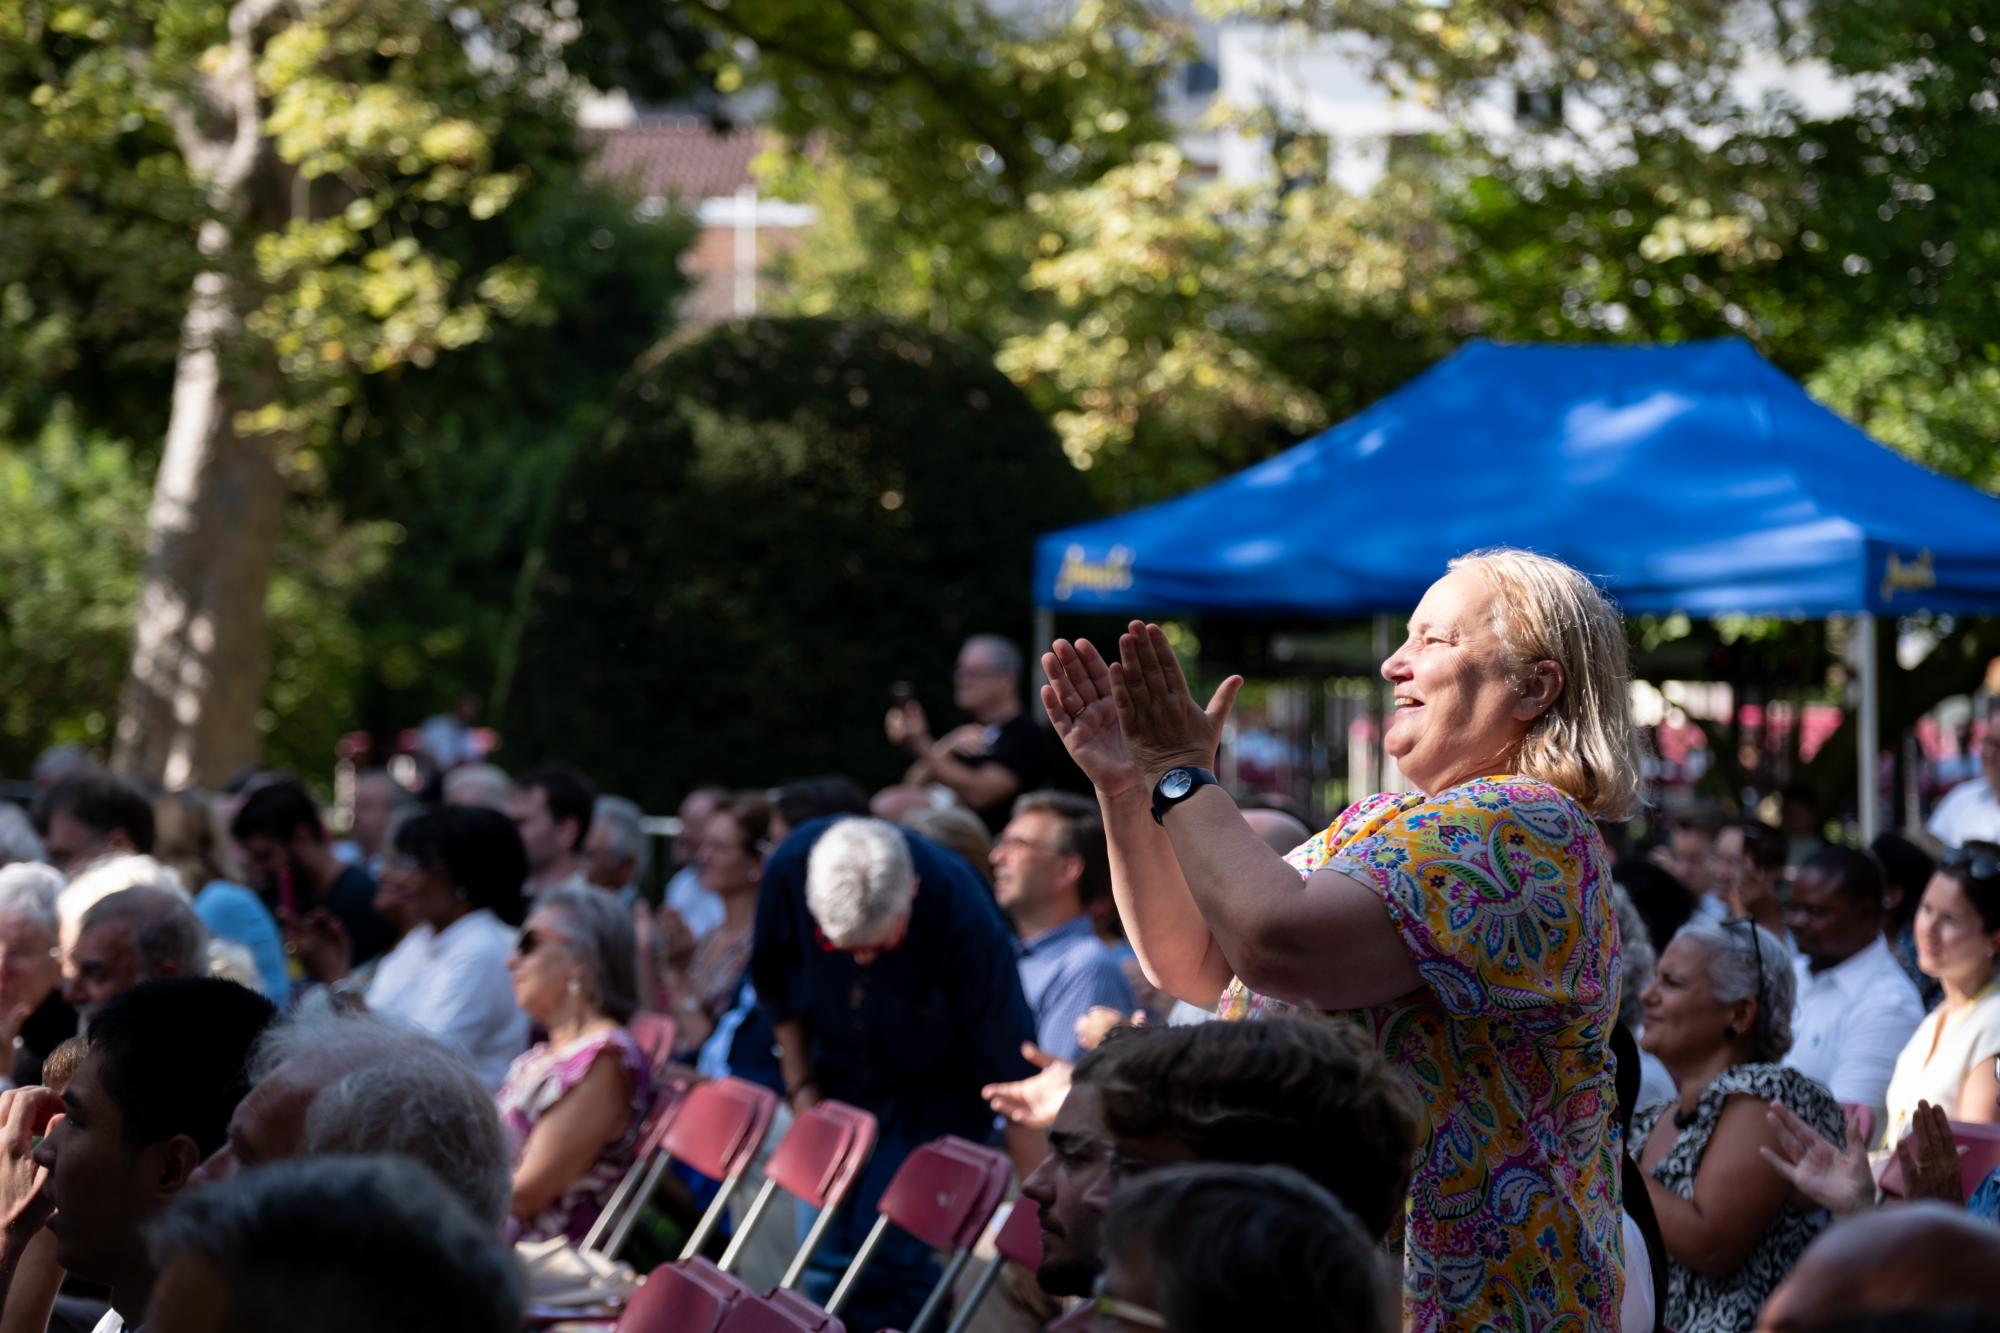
(1828,924)
(1953,943)
(1461,709)
(543,966)
(1684,1021)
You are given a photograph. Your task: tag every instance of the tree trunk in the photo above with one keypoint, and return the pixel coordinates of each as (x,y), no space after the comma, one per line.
(189,713)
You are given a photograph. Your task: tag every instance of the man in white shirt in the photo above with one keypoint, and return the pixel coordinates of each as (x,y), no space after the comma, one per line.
(1856,1007)
(1970,812)
(686,895)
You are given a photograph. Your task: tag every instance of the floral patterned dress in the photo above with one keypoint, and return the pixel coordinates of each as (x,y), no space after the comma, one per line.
(540,1078)
(1500,889)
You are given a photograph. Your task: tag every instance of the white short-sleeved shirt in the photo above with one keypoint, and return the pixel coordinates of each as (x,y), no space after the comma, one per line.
(1969,812)
(1852,1022)
(462,994)
(1970,1035)
(1636,1307)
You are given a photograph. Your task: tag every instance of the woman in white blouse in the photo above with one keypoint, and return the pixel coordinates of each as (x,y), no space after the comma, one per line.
(455,873)
(1950,1061)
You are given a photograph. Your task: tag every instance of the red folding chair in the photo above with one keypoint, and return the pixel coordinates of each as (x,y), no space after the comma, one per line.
(652,1134)
(780,1312)
(692,1296)
(944,1194)
(818,1161)
(656,1034)
(717,1129)
(1018,1241)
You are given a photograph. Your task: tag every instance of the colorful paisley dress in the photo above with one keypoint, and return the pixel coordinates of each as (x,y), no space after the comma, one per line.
(1500,889)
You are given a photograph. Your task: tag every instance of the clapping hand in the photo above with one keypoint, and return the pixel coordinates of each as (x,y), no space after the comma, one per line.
(1835,1178)
(320,943)
(26,1115)
(1928,1156)
(906,725)
(1164,727)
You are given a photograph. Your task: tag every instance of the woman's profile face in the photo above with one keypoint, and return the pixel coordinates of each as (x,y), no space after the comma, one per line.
(1683,1020)
(1952,940)
(1455,693)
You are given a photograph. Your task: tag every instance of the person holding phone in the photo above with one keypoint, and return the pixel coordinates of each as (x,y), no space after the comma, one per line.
(988,761)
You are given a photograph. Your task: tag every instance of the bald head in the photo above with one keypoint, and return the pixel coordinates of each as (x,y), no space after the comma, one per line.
(1905,1257)
(1280,831)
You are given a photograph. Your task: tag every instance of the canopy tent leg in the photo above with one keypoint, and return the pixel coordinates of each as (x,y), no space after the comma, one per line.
(1870,741)
(1045,634)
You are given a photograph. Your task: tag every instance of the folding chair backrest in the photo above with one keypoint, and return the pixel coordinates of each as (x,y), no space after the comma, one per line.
(817,1161)
(720,1126)
(945,1193)
(822,1153)
(626,1198)
(656,1035)
(774,1314)
(1019,1239)
(692,1296)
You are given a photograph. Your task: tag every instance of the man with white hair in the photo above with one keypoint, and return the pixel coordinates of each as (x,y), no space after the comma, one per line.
(33,1013)
(890,979)
(335,1084)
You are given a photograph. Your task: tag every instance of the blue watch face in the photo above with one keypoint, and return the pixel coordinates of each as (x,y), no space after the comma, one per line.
(1176,783)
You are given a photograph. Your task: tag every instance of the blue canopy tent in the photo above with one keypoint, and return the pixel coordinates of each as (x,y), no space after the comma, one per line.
(1695,478)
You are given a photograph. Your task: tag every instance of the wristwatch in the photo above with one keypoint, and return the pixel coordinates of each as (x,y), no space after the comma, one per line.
(1175,786)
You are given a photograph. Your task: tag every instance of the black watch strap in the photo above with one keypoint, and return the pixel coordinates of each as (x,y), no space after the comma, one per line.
(1176,785)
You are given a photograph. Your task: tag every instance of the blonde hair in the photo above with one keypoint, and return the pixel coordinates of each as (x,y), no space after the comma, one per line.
(1585,745)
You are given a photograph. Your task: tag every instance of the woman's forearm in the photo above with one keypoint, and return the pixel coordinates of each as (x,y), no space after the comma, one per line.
(1175,948)
(1326,941)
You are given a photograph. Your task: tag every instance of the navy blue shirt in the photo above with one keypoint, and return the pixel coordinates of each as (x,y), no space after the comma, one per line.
(914,1035)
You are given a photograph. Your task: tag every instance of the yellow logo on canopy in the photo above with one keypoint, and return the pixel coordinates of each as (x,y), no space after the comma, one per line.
(1901,575)
(1111,574)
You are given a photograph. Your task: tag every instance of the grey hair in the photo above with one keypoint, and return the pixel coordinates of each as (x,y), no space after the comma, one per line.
(1732,976)
(169,937)
(624,821)
(478,784)
(333,1245)
(599,926)
(399,1091)
(859,879)
(1586,745)
(1636,950)
(1006,656)
(18,840)
(113,874)
(28,890)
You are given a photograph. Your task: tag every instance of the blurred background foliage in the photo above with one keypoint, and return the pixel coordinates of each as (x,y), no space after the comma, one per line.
(994,191)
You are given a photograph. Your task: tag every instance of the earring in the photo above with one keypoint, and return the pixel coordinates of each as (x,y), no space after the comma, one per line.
(575,986)
(1730,1033)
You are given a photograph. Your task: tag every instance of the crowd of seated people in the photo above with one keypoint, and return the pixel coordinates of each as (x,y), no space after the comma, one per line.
(263,1075)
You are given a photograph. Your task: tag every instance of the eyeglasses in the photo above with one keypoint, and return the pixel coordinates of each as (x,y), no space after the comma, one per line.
(528,941)
(1978,864)
(1756,952)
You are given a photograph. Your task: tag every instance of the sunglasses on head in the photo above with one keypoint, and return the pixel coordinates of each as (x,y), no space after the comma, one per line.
(1756,950)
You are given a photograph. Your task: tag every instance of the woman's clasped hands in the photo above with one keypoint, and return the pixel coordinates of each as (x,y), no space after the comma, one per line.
(1129,721)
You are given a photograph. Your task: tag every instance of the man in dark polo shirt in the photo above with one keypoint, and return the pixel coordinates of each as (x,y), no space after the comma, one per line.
(288,855)
(991,760)
(890,980)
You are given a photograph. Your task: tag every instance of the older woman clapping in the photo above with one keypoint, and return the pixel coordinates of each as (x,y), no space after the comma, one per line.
(1719,1016)
(1469,923)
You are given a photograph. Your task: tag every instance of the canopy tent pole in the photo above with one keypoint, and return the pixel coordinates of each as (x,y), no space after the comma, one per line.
(1378,712)
(1045,634)
(1871,726)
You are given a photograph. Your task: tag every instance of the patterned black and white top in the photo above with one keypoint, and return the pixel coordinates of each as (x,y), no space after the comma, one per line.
(1697,1304)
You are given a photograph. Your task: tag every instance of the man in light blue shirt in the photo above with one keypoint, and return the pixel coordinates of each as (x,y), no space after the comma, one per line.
(1049,866)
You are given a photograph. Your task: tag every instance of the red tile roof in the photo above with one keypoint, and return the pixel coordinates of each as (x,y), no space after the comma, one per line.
(678,157)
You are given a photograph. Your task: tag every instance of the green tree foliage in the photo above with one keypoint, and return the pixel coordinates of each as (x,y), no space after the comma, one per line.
(783,518)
